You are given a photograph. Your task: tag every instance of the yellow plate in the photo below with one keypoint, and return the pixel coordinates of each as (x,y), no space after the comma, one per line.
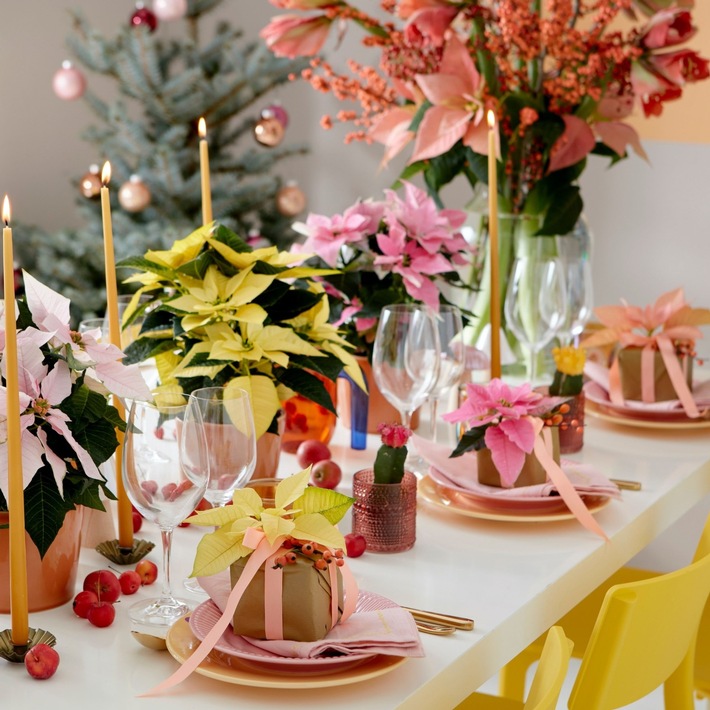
(428,492)
(601,412)
(182,643)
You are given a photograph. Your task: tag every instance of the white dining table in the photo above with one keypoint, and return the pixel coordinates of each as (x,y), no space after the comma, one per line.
(513,578)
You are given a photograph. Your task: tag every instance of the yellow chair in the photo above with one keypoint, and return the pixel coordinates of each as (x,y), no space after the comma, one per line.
(646,622)
(546,684)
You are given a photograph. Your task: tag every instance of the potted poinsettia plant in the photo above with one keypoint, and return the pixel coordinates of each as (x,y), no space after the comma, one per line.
(503,423)
(68,425)
(220,313)
(385,508)
(295,539)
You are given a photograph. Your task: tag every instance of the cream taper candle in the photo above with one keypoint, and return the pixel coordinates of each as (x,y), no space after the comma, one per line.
(495,309)
(205,173)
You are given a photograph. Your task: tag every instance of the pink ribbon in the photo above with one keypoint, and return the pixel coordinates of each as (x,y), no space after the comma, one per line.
(273,588)
(568,493)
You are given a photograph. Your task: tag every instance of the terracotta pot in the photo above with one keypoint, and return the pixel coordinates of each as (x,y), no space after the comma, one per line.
(532,473)
(51,579)
(378,408)
(268,452)
(385,514)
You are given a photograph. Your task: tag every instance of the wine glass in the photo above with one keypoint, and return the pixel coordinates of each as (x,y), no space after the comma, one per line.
(165,474)
(535,302)
(405,360)
(578,278)
(452,358)
(228,425)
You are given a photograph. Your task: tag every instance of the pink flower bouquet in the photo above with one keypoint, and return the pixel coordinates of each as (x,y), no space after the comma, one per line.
(500,418)
(398,250)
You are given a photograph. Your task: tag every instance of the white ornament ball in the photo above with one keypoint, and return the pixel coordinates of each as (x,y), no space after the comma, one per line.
(167,10)
(134,195)
(68,82)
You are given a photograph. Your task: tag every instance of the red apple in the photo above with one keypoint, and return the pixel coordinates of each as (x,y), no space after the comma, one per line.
(130,582)
(311,452)
(104,584)
(355,544)
(326,474)
(82,602)
(137,521)
(41,661)
(147,571)
(101,614)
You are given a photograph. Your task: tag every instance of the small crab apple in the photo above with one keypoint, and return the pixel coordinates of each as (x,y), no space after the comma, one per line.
(326,474)
(101,614)
(104,584)
(311,452)
(82,602)
(130,582)
(137,521)
(147,571)
(41,661)
(355,544)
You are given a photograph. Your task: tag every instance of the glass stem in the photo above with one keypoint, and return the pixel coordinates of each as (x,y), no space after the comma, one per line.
(166,537)
(432,413)
(406,418)
(533,360)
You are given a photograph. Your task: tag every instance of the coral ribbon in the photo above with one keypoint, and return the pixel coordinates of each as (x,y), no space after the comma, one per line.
(663,342)
(568,493)
(273,618)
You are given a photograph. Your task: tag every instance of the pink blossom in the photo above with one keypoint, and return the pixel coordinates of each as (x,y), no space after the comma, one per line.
(295,36)
(679,67)
(394,435)
(431,17)
(457,111)
(575,143)
(667,28)
(652,89)
(303,4)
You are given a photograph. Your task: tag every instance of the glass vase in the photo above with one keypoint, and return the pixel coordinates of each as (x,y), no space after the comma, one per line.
(385,514)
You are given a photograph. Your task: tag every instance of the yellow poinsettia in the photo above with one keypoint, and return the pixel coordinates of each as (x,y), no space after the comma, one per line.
(223,314)
(300,511)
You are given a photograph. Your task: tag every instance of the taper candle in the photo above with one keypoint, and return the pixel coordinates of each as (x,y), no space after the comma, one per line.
(205,173)
(16,496)
(495,309)
(125,513)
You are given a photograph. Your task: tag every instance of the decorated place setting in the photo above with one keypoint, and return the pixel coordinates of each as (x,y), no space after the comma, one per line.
(265,378)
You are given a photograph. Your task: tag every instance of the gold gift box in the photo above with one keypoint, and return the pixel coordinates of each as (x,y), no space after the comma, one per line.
(630,372)
(305,601)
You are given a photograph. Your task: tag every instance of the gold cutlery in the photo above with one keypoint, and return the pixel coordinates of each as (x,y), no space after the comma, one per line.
(427,627)
(458,622)
(626,485)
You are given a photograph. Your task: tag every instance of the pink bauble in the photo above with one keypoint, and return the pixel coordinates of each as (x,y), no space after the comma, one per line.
(144,16)
(134,195)
(167,10)
(68,82)
(279,113)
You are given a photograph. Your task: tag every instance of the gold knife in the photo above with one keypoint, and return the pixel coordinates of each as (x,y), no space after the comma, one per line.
(458,622)
(626,485)
(427,627)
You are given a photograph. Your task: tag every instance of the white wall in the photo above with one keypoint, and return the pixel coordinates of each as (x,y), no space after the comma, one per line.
(651,222)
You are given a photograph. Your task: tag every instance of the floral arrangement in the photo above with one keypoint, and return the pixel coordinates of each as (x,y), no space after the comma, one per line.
(224,314)
(561,78)
(569,369)
(389,462)
(499,418)
(68,425)
(398,250)
(303,518)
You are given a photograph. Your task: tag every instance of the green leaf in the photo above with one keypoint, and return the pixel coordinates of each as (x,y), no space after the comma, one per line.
(478,164)
(330,504)
(564,212)
(295,302)
(142,264)
(329,365)
(99,439)
(306,385)
(44,509)
(473,439)
(144,348)
(233,241)
(197,268)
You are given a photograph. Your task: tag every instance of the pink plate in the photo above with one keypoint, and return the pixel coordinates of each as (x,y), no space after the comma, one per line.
(204,617)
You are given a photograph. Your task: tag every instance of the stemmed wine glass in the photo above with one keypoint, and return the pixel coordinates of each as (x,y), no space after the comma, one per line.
(452,358)
(578,278)
(405,359)
(165,474)
(228,425)
(536,301)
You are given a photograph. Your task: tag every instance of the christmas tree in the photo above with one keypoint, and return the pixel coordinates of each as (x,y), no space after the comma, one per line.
(150,136)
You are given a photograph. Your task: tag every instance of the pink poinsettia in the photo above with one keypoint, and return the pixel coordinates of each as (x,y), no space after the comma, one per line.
(295,36)
(499,417)
(457,111)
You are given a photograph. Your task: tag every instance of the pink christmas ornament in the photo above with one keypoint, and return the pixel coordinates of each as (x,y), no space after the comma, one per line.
(68,82)
(134,195)
(144,16)
(279,113)
(167,10)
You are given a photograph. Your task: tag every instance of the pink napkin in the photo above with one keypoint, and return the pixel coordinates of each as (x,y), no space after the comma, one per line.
(390,631)
(598,392)
(460,474)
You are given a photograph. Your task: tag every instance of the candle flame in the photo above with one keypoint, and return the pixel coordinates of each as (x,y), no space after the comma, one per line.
(202,128)
(6,211)
(491,117)
(106,174)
